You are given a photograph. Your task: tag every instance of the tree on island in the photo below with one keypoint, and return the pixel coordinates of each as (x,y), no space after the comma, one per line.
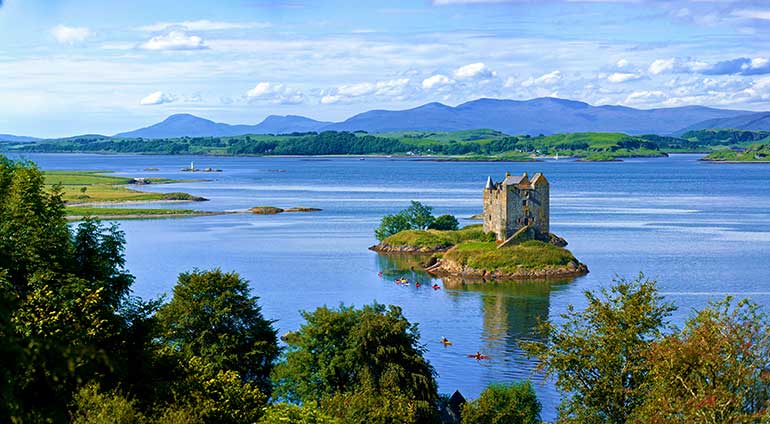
(416,217)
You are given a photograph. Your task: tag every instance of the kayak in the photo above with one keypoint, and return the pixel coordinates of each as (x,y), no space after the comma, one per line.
(478,357)
(436,287)
(446,343)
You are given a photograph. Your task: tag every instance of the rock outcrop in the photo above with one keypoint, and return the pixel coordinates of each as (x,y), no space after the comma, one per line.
(448,268)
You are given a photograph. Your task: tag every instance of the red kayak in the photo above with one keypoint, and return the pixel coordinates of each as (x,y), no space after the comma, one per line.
(436,287)
(478,357)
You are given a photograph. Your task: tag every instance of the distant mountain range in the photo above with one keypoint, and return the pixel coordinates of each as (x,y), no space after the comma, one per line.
(193,126)
(17,138)
(546,115)
(751,121)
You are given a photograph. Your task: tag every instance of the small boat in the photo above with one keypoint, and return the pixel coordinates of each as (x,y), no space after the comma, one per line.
(446,342)
(436,287)
(417,284)
(477,356)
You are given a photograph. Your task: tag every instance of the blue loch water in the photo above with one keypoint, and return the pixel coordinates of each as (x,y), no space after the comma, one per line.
(702,230)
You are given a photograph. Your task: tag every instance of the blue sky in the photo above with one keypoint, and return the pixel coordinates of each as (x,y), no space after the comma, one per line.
(85,66)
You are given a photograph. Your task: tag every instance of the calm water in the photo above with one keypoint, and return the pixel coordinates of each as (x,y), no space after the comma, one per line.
(702,230)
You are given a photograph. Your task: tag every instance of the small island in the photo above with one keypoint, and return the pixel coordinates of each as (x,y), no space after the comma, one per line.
(514,243)
(755,153)
(86,193)
(272,210)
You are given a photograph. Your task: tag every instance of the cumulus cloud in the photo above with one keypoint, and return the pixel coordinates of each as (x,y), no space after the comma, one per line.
(174,40)
(275,93)
(550,78)
(70,35)
(661,65)
(620,77)
(738,66)
(644,96)
(621,63)
(203,25)
(387,88)
(474,70)
(437,80)
(157,98)
(752,14)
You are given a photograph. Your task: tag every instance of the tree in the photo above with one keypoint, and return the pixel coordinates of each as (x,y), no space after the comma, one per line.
(445,223)
(392,224)
(420,216)
(212,316)
(716,370)
(504,404)
(295,414)
(355,355)
(598,355)
(416,217)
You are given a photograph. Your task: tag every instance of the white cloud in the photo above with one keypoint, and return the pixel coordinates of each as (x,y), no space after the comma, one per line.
(546,79)
(157,98)
(622,63)
(619,77)
(275,93)
(646,96)
(70,35)
(661,65)
(329,99)
(752,14)
(380,88)
(203,25)
(474,70)
(174,40)
(437,80)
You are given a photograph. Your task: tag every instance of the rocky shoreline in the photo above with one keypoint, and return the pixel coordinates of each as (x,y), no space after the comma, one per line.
(389,248)
(446,268)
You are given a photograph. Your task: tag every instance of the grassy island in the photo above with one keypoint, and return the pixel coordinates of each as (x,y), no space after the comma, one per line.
(82,190)
(470,253)
(755,153)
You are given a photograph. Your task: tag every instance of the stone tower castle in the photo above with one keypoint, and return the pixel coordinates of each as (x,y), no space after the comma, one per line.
(517,208)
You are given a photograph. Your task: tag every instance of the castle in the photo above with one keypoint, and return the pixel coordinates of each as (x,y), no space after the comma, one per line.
(517,208)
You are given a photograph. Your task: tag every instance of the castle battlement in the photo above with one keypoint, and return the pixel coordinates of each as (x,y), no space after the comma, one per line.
(515,203)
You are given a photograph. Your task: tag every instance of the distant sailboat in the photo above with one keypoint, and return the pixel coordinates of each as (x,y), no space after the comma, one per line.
(556,157)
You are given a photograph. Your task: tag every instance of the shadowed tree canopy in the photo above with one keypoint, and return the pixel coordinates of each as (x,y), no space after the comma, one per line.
(350,356)
(213,316)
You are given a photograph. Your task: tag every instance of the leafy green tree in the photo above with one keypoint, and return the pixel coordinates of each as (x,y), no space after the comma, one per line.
(598,355)
(420,216)
(416,217)
(213,316)
(504,404)
(92,406)
(392,224)
(347,352)
(295,414)
(445,223)
(716,370)
(372,407)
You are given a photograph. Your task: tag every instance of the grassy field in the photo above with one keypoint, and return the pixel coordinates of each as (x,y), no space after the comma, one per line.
(529,255)
(82,187)
(435,239)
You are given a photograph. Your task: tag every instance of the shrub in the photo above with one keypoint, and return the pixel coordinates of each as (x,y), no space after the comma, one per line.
(504,404)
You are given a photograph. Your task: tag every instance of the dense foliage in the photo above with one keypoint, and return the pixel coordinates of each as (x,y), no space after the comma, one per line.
(360,365)
(416,217)
(514,403)
(598,355)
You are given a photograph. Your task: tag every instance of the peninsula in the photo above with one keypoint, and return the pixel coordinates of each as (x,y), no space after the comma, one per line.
(514,243)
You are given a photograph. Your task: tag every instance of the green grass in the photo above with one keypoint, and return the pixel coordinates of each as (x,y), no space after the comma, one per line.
(529,255)
(95,187)
(435,239)
(753,153)
(86,211)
